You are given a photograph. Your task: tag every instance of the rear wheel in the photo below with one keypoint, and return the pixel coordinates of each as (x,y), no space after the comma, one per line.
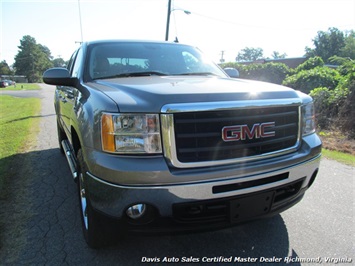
(93,225)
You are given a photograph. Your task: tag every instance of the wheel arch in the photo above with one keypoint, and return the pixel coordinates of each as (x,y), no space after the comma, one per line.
(75,141)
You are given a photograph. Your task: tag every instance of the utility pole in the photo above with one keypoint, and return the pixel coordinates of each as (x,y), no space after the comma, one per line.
(168,22)
(222,59)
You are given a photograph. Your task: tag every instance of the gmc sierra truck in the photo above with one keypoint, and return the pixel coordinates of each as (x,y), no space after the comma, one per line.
(159,139)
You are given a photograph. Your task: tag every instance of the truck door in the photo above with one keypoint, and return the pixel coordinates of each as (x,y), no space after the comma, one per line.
(65,96)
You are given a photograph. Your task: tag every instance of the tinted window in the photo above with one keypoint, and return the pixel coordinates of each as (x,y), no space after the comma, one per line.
(110,59)
(71,61)
(77,64)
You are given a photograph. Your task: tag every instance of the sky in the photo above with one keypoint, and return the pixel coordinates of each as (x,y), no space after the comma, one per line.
(215,26)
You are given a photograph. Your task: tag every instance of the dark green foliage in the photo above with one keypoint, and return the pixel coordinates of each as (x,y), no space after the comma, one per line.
(32,59)
(249,54)
(348,51)
(347,112)
(327,44)
(328,103)
(58,62)
(310,63)
(336,107)
(307,80)
(5,69)
(277,55)
(333,43)
(333,90)
(269,72)
(346,65)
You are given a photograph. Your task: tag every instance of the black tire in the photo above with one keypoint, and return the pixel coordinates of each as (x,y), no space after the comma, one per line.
(61,136)
(92,224)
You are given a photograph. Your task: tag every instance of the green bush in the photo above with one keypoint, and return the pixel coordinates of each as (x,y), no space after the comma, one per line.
(269,72)
(307,80)
(328,104)
(310,64)
(346,113)
(347,72)
(320,97)
(333,90)
(336,108)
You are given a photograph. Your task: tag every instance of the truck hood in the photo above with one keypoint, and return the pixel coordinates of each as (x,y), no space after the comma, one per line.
(150,94)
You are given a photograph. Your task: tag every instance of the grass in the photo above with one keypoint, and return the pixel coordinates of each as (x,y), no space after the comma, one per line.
(17,122)
(22,86)
(338,147)
(19,125)
(339,156)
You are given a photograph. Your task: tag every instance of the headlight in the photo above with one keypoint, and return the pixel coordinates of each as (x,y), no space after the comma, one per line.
(308,119)
(131,133)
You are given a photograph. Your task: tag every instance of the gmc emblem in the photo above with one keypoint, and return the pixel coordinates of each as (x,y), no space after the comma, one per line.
(242,132)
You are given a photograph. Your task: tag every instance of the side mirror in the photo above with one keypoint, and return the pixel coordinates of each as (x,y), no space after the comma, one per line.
(58,76)
(232,72)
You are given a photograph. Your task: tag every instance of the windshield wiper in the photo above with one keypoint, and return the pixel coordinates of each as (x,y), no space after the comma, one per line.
(134,74)
(197,74)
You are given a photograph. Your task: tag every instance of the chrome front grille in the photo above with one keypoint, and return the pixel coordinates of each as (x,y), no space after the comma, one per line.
(196,137)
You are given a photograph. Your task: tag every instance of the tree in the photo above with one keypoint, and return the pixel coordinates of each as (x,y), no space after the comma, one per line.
(32,59)
(327,44)
(349,48)
(59,62)
(277,55)
(249,54)
(5,69)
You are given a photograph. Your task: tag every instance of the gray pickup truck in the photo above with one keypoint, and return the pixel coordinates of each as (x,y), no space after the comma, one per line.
(159,139)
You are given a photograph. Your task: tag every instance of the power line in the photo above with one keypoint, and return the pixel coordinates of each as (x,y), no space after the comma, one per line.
(261,26)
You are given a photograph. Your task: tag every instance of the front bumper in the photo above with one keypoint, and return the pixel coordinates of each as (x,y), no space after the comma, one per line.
(214,214)
(183,199)
(205,204)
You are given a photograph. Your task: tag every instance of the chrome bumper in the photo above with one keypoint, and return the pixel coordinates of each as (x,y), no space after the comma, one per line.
(113,199)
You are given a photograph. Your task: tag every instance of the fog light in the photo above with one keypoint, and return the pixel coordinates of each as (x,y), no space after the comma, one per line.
(136,211)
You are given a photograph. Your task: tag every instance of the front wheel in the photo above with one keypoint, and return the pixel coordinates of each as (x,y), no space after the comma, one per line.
(93,226)
(61,136)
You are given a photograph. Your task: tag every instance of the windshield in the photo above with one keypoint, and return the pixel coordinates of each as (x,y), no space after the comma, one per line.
(124,59)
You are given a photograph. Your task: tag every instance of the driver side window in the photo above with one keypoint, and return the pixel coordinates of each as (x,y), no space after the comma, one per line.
(71,61)
(77,63)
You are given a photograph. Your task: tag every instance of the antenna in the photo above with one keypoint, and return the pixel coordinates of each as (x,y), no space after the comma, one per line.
(81,27)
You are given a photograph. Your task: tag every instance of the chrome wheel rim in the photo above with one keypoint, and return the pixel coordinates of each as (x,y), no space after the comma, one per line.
(83,201)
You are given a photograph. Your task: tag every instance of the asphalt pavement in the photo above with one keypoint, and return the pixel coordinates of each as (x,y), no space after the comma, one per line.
(23,93)
(42,225)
